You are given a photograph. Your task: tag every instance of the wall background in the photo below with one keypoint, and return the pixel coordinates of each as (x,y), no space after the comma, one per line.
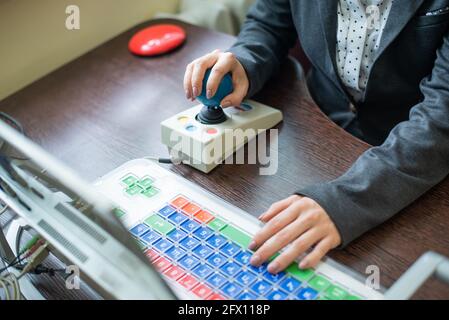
(34,40)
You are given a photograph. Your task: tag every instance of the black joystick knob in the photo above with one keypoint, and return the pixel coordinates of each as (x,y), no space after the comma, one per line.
(211,115)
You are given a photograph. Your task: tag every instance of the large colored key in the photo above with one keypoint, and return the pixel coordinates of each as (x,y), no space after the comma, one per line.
(336,293)
(175,253)
(300,274)
(203,233)
(231,269)
(188,282)
(319,283)
(217,224)
(232,289)
(277,295)
(166,211)
(174,272)
(202,291)
(139,229)
(177,218)
(307,294)
(129,179)
(190,225)
(216,241)
(236,235)
(150,236)
(151,254)
(216,280)
(202,251)
(202,271)
(290,284)
(245,278)
(159,224)
(179,202)
(161,264)
(230,249)
(274,278)
(261,287)
(190,209)
(176,235)
(145,182)
(189,262)
(189,243)
(247,296)
(203,216)
(216,260)
(162,245)
(243,257)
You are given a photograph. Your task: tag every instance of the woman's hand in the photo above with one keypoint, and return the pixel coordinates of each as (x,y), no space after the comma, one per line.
(221,64)
(300,222)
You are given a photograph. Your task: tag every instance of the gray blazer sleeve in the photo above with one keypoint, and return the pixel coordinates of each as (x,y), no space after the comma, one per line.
(264,41)
(386,179)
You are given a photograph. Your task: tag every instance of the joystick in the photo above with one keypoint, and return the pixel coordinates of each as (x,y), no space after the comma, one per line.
(212,113)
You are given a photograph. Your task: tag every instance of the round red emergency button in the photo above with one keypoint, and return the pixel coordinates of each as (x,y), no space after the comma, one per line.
(156,40)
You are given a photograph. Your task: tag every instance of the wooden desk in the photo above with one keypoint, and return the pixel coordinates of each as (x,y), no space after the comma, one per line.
(104,109)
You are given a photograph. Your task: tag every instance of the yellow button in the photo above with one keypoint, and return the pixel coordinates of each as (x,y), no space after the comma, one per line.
(183,119)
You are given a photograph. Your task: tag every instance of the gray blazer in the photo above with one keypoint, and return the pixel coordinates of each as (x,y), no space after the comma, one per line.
(404,111)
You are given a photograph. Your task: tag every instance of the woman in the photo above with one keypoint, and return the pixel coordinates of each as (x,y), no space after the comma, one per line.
(380,70)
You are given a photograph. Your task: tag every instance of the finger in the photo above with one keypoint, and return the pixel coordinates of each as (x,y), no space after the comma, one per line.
(240,90)
(199,69)
(277,207)
(188,81)
(276,224)
(280,240)
(297,248)
(314,257)
(223,66)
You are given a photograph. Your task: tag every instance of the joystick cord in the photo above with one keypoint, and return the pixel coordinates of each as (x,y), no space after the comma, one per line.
(171,160)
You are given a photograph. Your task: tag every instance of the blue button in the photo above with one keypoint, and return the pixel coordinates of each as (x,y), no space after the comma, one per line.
(175,253)
(216,241)
(216,260)
(203,233)
(189,262)
(307,294)
(150,236)
(189,243)
(139,229)
(290,284)
(261,287)
(202,271)
(162,245)
(245,278)
(260,269)
(191,128)
(231,268)
(277,295)
(243,257)
(232,289)
(216,280)
(177,218)
(274,277)
(190,225)
(247,296)
(202,251)
(231,249)
(166,211)
(177,235)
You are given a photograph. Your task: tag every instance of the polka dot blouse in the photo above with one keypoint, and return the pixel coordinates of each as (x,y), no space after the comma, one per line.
(360,27)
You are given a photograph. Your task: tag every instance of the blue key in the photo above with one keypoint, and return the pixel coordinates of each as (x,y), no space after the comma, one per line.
(230,268)
(307,294)
(216,280)
(175,253)
(166,211)
(150,236)
(139,229)
(217,260)
(260,269)
(274,277)
(245,278)
(190,225)
(217,241)
(203,233)
(189,243)
(243,257)
(202,251)
(202,271)
(231,249)
(261,287)
(232,289)
(277,294)
(189,262)
(290,284)
(247,296)
(162,245)
(177,218)
(177,235)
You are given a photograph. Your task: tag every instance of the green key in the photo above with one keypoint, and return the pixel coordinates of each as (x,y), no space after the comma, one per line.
(129,179)
(319,283)
(145,182)
(352,297)
(336,293)
(301,274)
(322,298)
(156,222)
(151,192)
(119,212)
(236,235)
(141,245)
(133,190)
(274,256)
(217,224)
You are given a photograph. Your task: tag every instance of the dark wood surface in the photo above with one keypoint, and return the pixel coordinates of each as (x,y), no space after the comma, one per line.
(105,108)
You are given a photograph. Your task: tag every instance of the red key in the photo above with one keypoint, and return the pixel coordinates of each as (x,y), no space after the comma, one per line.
(188,282)
(179,201)
(203,216)
(202,291)
(191,208)
(216,296)
(174,272)
(151,254)
(161,264)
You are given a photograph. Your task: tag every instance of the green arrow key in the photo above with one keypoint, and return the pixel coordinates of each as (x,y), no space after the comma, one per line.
(129,179)
(159,224)
(145,182)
